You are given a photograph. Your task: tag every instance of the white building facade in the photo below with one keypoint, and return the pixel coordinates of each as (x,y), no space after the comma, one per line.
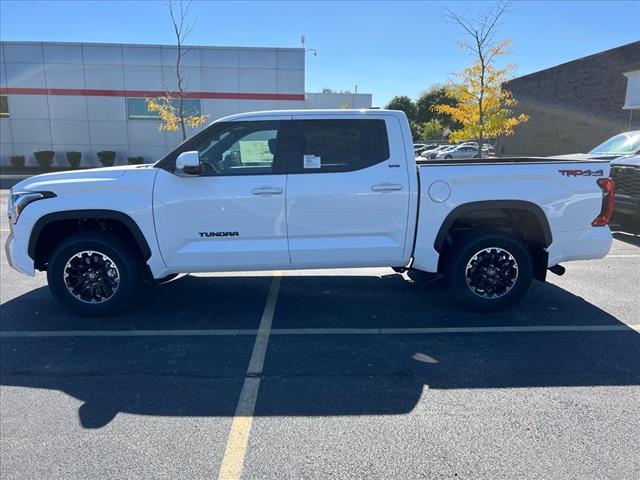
(92,97)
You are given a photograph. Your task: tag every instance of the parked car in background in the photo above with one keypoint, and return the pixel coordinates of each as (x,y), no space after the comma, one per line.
(459,151)
(419,146)
(486,147)
(431,154)
(621,145)
(625,173)
(426,148)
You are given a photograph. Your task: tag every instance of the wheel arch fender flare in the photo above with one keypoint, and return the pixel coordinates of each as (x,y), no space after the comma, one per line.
(485,205)
(115,215)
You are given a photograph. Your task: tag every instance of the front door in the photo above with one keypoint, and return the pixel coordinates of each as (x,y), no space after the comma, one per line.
(348,193)
(232,216)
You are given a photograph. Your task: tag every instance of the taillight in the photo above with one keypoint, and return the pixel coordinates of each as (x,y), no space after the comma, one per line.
(608,199)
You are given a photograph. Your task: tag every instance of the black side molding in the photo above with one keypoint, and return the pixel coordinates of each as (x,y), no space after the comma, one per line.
(492,205)
(88,214)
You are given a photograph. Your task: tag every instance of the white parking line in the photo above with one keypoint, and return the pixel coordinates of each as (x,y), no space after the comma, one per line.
(128,333)
(623,256)
(440,330)
(317,331)
(234,454)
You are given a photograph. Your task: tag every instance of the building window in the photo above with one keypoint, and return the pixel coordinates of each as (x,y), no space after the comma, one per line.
(4,107)
(137,108)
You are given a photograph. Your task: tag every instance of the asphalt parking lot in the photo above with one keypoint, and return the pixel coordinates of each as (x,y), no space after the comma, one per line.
(325,374)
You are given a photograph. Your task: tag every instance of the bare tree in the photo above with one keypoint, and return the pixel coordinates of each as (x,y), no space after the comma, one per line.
(181,29)
(484,47)
(171,107)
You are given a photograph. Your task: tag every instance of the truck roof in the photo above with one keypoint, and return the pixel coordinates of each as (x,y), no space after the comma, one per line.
(343,112)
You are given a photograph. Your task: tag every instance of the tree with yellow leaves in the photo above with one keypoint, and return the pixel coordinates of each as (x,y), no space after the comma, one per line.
(172,108)
(174,115)
(484,108)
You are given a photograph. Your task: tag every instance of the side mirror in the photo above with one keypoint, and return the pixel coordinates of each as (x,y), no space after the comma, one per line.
(188,164)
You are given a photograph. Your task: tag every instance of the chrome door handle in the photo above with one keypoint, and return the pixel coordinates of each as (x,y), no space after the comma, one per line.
(386,187)
(266,191)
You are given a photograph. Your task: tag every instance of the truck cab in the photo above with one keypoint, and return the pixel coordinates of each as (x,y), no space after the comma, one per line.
(288,190)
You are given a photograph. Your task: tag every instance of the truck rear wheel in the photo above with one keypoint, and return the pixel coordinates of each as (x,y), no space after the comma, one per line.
(94,273)
(489,271)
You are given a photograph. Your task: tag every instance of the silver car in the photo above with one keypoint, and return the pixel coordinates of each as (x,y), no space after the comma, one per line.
(459,151)
(435,151)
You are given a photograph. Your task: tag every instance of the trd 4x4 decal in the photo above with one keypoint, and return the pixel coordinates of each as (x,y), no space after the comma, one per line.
(581,173)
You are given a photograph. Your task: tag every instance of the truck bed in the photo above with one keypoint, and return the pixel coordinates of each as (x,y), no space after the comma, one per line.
(566,192)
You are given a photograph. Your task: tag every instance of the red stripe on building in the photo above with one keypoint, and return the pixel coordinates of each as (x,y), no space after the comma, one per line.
(86,92)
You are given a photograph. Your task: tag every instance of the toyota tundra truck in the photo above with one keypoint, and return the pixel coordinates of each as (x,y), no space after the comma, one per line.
(314,189)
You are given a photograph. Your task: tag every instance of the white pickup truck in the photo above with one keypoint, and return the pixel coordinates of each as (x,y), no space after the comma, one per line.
(308,189)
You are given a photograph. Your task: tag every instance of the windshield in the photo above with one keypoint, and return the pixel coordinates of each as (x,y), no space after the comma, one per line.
(623,144)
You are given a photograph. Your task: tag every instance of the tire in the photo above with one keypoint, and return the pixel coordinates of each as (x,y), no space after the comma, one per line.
(488,271)
(101,256)
(448,157)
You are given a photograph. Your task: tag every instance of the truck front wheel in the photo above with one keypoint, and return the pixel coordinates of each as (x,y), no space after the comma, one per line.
(488,271)
(94,273)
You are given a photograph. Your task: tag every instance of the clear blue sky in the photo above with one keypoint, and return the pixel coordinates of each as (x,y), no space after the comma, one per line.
(386,48)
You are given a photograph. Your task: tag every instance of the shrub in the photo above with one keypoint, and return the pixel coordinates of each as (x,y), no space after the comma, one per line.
(74,159)
(17,161)
(44,158)
(135,160)
(107,158)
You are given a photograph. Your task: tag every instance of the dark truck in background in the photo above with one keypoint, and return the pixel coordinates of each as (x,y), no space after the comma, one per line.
(625,172)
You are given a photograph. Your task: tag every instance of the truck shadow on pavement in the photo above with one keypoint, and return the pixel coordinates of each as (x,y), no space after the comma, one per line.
(305,373)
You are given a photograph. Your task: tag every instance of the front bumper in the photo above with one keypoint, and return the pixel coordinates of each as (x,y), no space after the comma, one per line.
(18,257)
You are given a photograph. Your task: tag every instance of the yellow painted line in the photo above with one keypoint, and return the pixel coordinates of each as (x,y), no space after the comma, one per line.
(236,449)
(234,454)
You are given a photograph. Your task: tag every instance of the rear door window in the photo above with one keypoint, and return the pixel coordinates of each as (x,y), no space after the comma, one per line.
(338,145)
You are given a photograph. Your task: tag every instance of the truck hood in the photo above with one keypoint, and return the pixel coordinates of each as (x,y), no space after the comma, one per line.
(49,181)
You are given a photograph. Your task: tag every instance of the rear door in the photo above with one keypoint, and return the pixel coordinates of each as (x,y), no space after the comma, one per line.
(347,192)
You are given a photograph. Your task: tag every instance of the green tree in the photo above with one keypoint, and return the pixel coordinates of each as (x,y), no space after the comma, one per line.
(432,130)
(436,95)
(404,104)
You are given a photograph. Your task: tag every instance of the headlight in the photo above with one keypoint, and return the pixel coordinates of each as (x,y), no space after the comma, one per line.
(19,200)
